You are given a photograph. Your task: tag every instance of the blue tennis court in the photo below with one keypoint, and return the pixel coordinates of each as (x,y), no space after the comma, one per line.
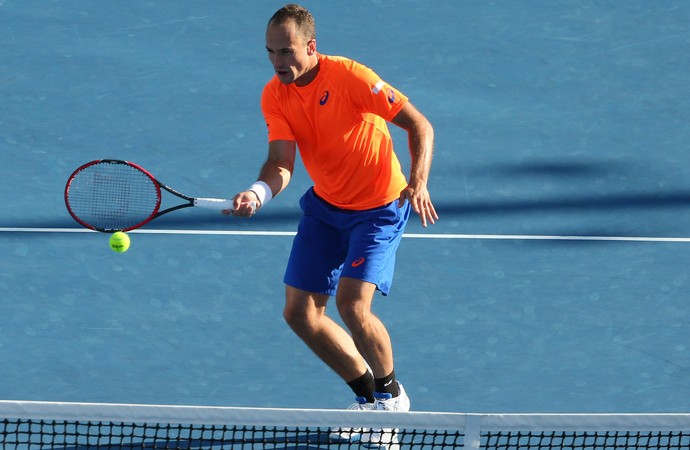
(557,279)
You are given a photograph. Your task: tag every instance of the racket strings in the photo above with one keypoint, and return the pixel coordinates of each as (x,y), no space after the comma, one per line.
(110,196)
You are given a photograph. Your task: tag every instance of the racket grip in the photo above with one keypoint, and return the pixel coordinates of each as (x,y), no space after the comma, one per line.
(213,203)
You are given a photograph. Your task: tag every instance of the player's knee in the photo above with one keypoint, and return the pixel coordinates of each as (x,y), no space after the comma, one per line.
(300,319)
(293,316)
(353,313)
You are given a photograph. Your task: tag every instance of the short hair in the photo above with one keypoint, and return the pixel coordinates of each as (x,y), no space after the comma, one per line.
(298,14)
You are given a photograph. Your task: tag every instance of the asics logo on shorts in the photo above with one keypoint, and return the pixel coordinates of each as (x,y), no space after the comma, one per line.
(358,262)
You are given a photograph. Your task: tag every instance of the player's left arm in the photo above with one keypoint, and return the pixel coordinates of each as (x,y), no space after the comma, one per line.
(421,142)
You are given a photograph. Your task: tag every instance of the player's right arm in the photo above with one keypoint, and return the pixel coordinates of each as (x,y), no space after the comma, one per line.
(275,172)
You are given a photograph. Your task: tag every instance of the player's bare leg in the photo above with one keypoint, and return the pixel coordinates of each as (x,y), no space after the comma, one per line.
(305,312)
(354,299)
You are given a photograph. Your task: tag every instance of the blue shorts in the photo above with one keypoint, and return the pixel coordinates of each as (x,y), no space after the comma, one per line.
(333,242)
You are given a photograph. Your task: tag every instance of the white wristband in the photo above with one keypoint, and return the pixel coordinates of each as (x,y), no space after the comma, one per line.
(263,192)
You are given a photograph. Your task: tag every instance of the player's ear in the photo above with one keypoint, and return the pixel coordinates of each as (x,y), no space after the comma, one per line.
(311,47)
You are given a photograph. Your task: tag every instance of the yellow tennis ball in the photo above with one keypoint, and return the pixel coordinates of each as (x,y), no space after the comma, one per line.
(119,242)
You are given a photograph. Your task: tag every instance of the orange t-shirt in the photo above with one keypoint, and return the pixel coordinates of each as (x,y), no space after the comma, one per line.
(339,123)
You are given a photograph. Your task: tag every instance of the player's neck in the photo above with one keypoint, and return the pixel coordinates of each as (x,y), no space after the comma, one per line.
(310,74)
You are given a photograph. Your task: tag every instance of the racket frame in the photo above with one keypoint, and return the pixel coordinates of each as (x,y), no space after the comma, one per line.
(190,201)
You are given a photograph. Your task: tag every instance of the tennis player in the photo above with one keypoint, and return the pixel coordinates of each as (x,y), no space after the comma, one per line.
(334,110)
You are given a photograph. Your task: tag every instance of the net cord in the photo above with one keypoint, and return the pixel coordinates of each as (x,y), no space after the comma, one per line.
(472,424)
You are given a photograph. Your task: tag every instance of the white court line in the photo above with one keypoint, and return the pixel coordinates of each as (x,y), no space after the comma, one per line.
(515,237)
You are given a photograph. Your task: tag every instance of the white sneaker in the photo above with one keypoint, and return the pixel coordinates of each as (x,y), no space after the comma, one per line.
(386,438)
(339,434)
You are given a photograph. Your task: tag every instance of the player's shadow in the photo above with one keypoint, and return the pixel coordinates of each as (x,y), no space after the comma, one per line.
(567,179)
(576,188)
(191,218)
(570,175)
(651,200)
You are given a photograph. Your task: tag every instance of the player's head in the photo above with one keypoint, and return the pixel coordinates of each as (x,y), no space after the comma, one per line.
(291,44)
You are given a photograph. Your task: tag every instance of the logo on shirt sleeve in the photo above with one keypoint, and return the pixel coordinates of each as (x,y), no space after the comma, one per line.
(377,87)
(390,93)
(391,96)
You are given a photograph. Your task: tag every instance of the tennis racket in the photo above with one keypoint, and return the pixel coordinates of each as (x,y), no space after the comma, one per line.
(112,195)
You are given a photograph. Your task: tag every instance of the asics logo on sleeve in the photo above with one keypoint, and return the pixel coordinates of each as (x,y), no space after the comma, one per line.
(378,87)
(324,98)
(358,262)
(391,96)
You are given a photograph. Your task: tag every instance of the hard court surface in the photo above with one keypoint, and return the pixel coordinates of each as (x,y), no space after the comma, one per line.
(556,280)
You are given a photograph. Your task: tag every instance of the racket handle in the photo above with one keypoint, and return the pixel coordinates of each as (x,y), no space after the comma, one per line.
(213,203)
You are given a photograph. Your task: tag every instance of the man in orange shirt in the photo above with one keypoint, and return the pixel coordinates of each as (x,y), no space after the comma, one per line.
(334,111)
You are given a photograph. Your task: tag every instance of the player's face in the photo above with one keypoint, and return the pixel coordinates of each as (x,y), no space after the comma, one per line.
(291,56)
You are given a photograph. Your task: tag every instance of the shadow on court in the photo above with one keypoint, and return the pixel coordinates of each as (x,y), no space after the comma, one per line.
(485,209)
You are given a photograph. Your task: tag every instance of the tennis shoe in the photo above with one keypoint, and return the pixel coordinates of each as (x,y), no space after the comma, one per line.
(346,434)
(386,438)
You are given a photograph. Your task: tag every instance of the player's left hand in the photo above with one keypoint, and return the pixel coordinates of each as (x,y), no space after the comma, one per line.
(421,203)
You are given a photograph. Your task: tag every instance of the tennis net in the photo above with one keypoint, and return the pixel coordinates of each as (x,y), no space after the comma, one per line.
(51,425)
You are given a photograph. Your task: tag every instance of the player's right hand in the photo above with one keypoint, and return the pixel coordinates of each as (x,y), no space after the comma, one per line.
(244,204)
